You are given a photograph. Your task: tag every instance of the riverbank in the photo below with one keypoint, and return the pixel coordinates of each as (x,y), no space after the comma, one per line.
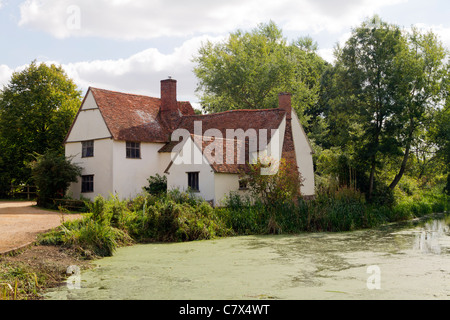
(25,269)
(27,273)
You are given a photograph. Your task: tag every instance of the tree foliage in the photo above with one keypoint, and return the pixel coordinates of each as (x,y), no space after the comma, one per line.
(37,108)
(250,69)
(441,135)
(387,82)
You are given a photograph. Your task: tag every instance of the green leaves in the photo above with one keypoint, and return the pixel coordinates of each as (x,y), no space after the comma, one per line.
(249,70)
(37,108)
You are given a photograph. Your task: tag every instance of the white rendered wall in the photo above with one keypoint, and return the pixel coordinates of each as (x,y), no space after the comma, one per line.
(224,184)
(164,161)
(101,166)
(89,124)
(130,175)
(178,177)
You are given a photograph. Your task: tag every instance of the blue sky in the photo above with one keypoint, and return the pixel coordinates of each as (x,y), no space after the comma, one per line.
(130,45)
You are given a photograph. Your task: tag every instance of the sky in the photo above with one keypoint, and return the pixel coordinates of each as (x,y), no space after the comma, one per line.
(131,45)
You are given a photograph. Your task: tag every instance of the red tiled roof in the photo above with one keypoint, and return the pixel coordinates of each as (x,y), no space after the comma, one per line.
(225,162)
(131,117)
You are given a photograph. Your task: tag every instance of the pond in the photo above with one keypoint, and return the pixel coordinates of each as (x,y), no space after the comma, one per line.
(400,261)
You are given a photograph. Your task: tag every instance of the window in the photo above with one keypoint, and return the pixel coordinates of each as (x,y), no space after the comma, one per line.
(193,181)
(87,184)
(133,150)
(87,149)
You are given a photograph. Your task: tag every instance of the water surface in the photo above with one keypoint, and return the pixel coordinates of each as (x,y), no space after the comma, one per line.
(401,261)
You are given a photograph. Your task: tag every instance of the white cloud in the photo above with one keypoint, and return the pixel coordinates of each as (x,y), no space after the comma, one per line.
(141,73)
(143,19)
(5,75)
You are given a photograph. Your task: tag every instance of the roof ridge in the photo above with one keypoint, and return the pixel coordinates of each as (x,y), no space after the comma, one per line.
(212,136)
(126,93)
(237,110)
(134,94)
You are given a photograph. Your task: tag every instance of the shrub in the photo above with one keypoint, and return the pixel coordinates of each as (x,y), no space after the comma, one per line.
(156,185)
(243,216)
(177,217)
(52,174)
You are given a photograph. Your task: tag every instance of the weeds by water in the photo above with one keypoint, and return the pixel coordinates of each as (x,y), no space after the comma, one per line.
(17,283)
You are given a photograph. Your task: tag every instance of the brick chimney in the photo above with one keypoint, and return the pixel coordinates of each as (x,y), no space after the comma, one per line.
(288,150)
(169,106)
(284,102)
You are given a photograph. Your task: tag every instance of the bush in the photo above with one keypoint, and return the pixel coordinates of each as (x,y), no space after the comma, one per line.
(52,174)
(278,187)
(185,220)
(157,185)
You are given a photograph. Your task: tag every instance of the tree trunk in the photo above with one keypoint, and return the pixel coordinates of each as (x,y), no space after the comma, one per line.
(399,175)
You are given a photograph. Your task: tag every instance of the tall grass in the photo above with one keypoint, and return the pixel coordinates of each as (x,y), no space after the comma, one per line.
(17,283)
(343,209)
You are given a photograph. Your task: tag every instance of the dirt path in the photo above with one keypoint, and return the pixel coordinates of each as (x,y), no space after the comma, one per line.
(20,223)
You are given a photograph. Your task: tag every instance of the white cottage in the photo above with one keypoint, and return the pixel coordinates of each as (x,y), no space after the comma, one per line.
(120,140)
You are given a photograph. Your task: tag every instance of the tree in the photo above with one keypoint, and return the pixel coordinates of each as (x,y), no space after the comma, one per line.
(52,173)
(37,108)
(366,73)
(388,80)
(250,69)
(420,88)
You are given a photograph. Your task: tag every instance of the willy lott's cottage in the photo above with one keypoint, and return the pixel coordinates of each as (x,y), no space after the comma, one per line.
(121,139)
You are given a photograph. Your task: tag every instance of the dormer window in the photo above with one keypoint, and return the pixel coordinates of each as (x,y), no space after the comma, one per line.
(133,150)
(87,149)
